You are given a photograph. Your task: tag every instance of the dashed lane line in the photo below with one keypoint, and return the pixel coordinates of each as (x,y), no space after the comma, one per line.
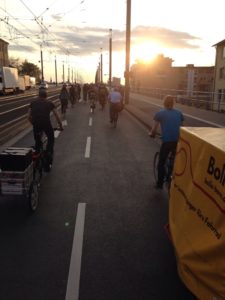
(88,147)
(73,283)
(64,123)
(90,121)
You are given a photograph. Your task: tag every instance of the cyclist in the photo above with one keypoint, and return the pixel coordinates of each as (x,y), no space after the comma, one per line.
(102,95)
(115,100)
(39,116)
(64,99)
(72,93)
(92,95)
(170,120)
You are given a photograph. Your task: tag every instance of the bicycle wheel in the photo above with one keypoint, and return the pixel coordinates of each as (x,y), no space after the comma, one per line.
(47,161)
(38,171)
(115,118)
(155,166)
(33,196)
(169,169)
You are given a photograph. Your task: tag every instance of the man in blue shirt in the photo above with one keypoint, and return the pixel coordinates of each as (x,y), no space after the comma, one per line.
(115,100)
(170,120)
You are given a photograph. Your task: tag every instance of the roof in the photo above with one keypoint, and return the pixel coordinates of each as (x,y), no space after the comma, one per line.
(3,41)
(219,43)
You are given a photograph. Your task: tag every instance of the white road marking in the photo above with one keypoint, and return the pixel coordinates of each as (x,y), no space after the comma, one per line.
(57,133)
(190,116)
(88,147)
(90,121)
(73,283)
(207,122)
(64,122)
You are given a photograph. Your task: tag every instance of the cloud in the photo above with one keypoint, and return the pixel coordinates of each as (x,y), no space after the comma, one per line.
(89,40)
(166,37)
(57,17)
(21,48)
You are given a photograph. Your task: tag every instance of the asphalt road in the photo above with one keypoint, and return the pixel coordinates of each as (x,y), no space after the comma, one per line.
(125,251)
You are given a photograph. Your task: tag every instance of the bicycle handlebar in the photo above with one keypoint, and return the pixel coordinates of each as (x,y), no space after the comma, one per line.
(156,135)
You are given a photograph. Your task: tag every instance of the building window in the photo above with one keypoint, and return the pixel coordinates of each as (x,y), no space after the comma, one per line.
(224,52)
(222,73)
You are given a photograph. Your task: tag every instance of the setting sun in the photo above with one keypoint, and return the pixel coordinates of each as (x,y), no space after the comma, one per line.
(145,52)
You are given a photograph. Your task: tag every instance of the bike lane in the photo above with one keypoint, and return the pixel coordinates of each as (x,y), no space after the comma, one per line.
(125,253)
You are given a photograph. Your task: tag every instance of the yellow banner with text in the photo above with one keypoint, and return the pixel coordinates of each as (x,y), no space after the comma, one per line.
(197,211)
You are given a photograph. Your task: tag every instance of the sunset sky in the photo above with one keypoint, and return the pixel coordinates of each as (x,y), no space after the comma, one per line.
(74,31)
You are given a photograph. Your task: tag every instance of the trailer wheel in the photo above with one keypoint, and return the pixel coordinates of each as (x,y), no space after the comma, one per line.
(33,196)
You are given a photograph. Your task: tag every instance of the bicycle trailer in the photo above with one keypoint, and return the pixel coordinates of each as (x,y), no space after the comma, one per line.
(17,174)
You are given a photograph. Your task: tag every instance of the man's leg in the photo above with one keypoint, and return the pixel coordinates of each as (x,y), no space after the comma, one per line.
(111,112)
(50,143)
(37,137)
(164,151)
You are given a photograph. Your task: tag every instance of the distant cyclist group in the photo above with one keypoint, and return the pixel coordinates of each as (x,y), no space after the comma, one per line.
(169,119)
(39,113)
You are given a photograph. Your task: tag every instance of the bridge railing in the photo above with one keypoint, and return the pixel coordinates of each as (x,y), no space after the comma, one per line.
(199,99)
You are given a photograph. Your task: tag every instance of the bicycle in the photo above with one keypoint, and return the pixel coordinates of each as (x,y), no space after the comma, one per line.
(43,159)
(168,168)
(114,113)
(102,101)
(92,105)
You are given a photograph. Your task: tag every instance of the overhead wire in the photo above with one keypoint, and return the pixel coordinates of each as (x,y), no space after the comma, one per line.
(44,28)
(5,11)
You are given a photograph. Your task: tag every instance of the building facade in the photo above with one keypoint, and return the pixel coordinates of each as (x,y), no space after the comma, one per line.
(4,58)
(219,83)
(160,74)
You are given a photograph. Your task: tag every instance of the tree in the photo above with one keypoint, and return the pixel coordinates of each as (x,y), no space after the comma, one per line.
(28,68)
(25,68)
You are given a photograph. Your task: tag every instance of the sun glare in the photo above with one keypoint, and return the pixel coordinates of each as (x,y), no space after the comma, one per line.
(145,52)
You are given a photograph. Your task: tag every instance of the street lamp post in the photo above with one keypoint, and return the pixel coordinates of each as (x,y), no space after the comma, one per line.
(63,73)
(110,57)
(56,80)
(68,73)
(42,67)
(101,67)
(127,71)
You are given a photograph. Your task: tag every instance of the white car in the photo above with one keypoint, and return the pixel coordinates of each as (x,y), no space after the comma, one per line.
(43,85)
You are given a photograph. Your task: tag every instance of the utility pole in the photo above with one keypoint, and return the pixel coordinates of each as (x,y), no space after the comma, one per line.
(63,73)
(101,67)
(68,74)
(127,71)
(56,80)
(42,68)
(110,57)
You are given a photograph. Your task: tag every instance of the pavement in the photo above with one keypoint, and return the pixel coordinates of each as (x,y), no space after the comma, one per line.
(126,253)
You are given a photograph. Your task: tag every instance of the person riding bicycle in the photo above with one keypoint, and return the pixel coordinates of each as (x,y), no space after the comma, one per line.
(64,99)
(115,100)
(170,120)
(102,95)
(39,116)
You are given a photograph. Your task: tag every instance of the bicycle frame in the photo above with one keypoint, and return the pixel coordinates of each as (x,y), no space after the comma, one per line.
(114,114)
(168,168)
